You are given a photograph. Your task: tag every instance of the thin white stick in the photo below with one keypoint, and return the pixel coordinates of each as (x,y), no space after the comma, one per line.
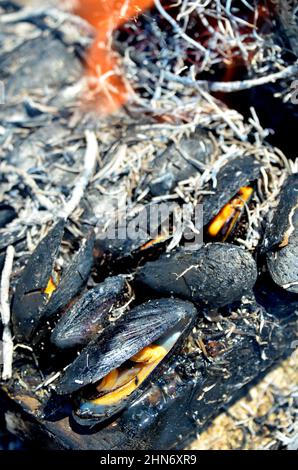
(83,181)
(224,115)
(48,381)
(239,85)
(5,314)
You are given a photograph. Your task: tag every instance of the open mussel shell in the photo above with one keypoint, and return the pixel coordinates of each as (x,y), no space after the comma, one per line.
(28,300)
(231,177)
(74,276)
(281,238)
(37,295)
(234,188)
(215,275)
(180,161)
(83,321)
(123,359)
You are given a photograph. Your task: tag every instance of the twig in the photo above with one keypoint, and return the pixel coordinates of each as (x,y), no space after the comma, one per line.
(239,85)
(224,115)
(48,381)
(114,163)
(82,183)
(5,314)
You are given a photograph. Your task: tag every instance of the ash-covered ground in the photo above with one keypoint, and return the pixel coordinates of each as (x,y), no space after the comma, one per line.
(264,418)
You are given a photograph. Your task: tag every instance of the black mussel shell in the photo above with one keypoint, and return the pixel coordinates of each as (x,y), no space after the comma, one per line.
(74,276)
(237,173)
(28,301)
(281,238)
(215,275)
(157,325)
(179,162)
(30,305)
(136,329)
(7,214)
(133,234)
(83,321)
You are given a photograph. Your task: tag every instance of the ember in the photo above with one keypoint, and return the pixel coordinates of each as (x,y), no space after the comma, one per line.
(106,80)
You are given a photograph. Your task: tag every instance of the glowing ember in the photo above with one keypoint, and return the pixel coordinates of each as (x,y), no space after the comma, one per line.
(104,78)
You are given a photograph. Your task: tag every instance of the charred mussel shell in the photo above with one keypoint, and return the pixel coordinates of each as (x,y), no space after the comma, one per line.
(133,234)
(281,238)
(180,161)
(235,174)
(83,321)
(164,320)
(223,208)
(215,275)
(30,304)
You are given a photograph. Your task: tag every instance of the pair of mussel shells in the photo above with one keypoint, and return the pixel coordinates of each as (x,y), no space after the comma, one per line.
(119,361)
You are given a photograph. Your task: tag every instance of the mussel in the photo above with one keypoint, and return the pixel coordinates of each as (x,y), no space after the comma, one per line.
(235,187)
(115,368)
(180,161)
(135,234)
(42,290)
(222,225)
(86,318)
(281,238)
(215,275)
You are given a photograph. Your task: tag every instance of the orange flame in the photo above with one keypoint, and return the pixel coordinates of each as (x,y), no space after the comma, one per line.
(104,80)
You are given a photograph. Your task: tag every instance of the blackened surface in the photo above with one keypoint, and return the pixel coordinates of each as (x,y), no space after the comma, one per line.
(281,239)
(215,275)
(190,403)
(133,233)
(138,328)
(29,301)
(283,265)
(7,214)
(276,300)
(7,440)
(281,221)
(180,403)
(74,277)
(273,113)
(89,314)
(15,237)
(239,172)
